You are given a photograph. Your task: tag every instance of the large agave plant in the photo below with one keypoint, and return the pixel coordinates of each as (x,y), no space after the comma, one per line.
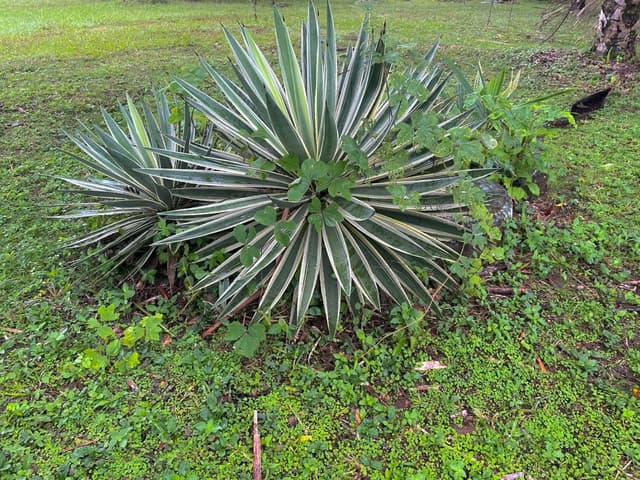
(301,199)
(122,193)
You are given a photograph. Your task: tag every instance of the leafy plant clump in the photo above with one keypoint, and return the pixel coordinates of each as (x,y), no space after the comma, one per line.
(114,350)
(307,185)
(511,137)
(122,191)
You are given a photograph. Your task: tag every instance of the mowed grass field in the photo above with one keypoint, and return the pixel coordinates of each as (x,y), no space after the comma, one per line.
(539,384)
(61,61)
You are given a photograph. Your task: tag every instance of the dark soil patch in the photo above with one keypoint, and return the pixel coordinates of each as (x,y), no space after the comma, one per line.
(549,210)
(547,62)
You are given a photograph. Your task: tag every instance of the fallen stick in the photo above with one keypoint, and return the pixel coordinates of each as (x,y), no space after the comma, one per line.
(211,329)
(10,330)
(257,450)
(426,388)
(152,299)
(83,444)
(252,298)
(505,290)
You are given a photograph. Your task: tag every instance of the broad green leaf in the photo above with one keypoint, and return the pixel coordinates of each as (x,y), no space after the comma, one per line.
(283,231)
(105,332)
(235,330)
(94,323)
(240,233)
(113,348)
(248,254)
(341,188)
(152,328)
(267,216)
(257,331)
(317,221)
(298,189)
(290,163)
(107,313)
(247,346)
(355,155)
(133,360)
(93,360)
(314,169)
(131,335)
(331,215)
(315,206)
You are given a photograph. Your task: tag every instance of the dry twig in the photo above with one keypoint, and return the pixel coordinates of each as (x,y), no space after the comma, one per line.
(505,290)
(82,444)
(10,330)
(257,449)
(211,329)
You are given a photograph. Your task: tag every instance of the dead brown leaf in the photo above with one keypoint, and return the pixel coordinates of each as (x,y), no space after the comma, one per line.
(430,365)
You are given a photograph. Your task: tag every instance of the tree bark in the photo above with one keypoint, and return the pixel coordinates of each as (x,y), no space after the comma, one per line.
(617,29)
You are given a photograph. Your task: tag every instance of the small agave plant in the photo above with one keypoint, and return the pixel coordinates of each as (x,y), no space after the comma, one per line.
(122,191)
(300,201)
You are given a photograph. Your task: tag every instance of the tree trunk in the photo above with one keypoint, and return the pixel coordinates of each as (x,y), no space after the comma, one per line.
(617,29)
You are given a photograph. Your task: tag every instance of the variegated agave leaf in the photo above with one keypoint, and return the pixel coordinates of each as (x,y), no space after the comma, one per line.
(121,192)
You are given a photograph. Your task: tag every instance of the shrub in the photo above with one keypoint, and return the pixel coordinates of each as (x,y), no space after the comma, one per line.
(511,133)
(315,190)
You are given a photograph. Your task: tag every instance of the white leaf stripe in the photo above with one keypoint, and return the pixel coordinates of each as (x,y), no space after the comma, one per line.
(362,274)
(282,274)
(331,294)
(226,206)
(336,250)
(382,272)
(233,265)
(309,269)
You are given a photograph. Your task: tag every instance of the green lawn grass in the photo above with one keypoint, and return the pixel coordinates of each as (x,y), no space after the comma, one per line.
(539,382)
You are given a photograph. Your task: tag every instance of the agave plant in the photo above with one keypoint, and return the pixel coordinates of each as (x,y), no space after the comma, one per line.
(302,198)
(122,193)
